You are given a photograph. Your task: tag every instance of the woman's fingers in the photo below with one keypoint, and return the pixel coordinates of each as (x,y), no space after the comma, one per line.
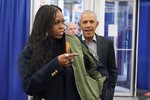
(66,59)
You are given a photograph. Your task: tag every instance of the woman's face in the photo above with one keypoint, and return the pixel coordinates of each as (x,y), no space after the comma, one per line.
(58,28)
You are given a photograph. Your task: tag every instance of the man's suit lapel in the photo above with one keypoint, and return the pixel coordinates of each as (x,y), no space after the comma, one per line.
(100,48)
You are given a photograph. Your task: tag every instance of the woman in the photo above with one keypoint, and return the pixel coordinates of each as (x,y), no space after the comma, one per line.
(52,65)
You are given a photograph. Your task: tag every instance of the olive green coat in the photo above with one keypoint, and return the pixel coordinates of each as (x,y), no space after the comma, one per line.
(89,82)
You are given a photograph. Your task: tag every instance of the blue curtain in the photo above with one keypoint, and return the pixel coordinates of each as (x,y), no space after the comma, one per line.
(143,78)
(14,30)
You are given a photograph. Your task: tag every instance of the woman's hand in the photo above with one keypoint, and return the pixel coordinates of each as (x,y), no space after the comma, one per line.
(66,59)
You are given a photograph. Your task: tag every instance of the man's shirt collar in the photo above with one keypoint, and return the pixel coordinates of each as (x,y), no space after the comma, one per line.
(94,38)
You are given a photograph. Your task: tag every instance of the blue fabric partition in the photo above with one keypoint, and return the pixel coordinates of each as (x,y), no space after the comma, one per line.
(143,78)
(14,30)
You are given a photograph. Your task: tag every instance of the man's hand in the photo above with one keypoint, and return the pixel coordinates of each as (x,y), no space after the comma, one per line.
(99,98)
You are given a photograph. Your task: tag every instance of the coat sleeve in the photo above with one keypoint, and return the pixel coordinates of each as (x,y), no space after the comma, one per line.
(40,79)
(112,69)
(109,86)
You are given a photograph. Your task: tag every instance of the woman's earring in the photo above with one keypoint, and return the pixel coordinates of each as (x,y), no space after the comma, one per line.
(46,34)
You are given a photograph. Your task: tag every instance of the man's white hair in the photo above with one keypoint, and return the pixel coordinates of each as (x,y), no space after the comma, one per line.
(87,12)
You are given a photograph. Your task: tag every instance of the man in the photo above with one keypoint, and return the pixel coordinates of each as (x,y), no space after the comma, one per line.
(72,28)
(104,48)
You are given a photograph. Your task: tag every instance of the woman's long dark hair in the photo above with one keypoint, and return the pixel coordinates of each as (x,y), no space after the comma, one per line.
(42,26)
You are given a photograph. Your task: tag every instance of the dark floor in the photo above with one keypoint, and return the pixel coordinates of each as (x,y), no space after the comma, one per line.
(140,96)
(131,98)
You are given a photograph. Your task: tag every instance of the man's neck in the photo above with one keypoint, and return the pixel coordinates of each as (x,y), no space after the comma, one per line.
(88,39)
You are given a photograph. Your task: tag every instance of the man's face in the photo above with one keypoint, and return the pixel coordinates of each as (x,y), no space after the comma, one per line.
(72,29)
(88,25)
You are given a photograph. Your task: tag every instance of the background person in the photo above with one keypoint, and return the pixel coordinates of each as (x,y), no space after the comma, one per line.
(52,65)
(72,28)
(147,94)
(104,48)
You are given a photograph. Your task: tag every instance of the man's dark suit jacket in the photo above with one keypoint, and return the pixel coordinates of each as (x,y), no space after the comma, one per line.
(106,54)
